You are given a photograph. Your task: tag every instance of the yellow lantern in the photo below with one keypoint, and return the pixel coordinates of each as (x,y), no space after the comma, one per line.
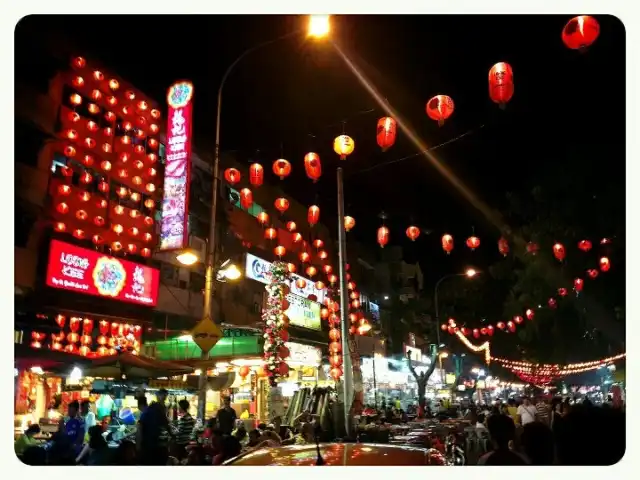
(343,146)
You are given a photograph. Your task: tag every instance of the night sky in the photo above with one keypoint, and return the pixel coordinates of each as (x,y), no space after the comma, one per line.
(297,95)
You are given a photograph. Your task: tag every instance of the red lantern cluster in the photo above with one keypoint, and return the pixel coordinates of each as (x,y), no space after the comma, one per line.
(93,338)
(108,134)
(335,345)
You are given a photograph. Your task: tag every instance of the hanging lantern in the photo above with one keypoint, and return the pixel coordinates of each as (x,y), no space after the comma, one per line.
(518,319)
(355,303)
(296,237)
(349,223)
(281,204)
(440,108)
(529,313)
(343,145)
(270,233)
(311,271)
(318,243)
(282,168)
(593,273)
(335,373)
(476,333)
(503,246)
(279,251)
(327,269)
(351,285)
(301,283)
(263,218)
(483,331)
(232,175)
(552,303)
(332,278)
(605,241)
(304,257)
(413,233)
(584,245)
(386,133)
(312,166)
(291,268)
(447,243)
(473,242)
(243,371)
(319,285)
(580,32)
(578,284)
(501,83)
(313,215)
(322,255)
(605,264)
(500,325)
(562,292)
(511,326)
(559,251)
(532,248)
(246,198)
(256,174)
(383,236)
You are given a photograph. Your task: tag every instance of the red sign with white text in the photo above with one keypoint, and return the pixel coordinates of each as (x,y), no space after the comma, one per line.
(174,227)
(93,273)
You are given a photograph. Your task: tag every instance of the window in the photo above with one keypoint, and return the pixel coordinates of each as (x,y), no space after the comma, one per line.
(196,282)
(29,140)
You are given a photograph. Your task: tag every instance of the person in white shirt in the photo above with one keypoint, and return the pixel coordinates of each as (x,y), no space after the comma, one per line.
(88,416)
(526,412)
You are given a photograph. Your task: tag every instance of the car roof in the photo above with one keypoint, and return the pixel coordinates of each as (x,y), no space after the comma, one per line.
(340,454)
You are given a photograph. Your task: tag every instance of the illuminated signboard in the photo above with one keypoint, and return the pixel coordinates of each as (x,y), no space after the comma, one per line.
(415,353)
(303,313)
(93,273)
(258,268)
(174,231)
(374,308)
(303,354)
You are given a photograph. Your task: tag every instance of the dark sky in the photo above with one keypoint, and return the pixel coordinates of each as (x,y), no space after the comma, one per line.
(293,96)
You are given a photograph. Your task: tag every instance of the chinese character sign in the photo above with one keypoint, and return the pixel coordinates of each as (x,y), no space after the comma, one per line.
(174,232)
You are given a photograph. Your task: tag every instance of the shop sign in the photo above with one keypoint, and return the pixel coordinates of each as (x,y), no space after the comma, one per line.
(206,334)
(168,384)
(174,227)
(304,354)
(239,332)
(257,269)
(374,309)
(303,313)
(93,273)
(450,378)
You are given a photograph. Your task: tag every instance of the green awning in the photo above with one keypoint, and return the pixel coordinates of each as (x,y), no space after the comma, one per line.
(183,348)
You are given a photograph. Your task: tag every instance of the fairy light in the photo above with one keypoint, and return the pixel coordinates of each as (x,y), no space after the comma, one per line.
(476,348)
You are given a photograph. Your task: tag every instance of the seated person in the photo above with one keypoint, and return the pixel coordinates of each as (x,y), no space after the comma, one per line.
(26,440)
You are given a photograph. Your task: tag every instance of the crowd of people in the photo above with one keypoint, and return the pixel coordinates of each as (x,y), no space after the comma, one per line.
(158,441)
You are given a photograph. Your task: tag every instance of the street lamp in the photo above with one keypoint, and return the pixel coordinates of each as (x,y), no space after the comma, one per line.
(211,244)
(187,257)
(469,273)
(319,26)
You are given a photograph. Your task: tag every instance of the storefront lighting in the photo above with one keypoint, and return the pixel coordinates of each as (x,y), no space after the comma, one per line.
(185,338)
(197,372)
(222,364)
(37,370)
(76,374)
(247,362)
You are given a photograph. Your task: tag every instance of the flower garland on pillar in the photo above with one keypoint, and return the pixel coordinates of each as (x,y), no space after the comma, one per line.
(276,322)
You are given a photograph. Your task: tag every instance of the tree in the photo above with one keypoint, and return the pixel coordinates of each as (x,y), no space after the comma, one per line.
(423,377)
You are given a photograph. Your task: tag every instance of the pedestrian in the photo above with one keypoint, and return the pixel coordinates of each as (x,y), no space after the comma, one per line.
(26,440)
(226,417)
(502,432)
(96,451)
(526,412)
(74,427)
(154,432)
(538,443)
(183,430)
(542,411)
(88,416)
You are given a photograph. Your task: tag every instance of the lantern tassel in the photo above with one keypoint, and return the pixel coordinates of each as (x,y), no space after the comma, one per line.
(440,122)
(502,106)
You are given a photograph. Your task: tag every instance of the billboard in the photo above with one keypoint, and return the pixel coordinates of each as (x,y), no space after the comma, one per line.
(174,227)
(257,269)
(303,312)
(90,272)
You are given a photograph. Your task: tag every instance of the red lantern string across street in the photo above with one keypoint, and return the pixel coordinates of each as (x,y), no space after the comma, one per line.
(584,245)
(473,242)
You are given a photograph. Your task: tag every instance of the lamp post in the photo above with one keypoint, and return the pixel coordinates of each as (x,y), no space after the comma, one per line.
(469,273)
(318,27)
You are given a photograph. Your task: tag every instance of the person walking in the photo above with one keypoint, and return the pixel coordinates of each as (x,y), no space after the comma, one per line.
(542,411)
(154,432)
(526,412)
(502,432)
(226,417)
(184,429)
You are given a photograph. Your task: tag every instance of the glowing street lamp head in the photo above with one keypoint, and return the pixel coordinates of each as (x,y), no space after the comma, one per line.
(319,26)
(232,272)
(187,257)
(471,272)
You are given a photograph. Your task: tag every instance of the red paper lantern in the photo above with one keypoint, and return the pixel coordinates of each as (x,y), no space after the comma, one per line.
(383,236)
(301,283)
(443,327)
(279,251)
(243,371)
(578,284)
(501,83)
(413,233)
(532,248)
(580,32)
(283,369)
(256,174)
(291,226)
(324,312)
(335,360)
(605,264)
(335,373)
(296,237)
(87,326)
(584,245)
(313,215)
(334,347)
(473,242)
(511,326)
(593,273)
(263,218)
(232,175)
(562,292)
(517,319)
(318,243)
(529,313)
(304,257)
(291,268)
(327,269)
(355,303)
(282,168)
(332,279)
(500,325)
(312,166)
(552,303)
(334,334)
(440,108)
(311,271)
(447,243)
(246,198)
(270,233)
(559,251)
(386,133)
(476,333)
(281,204)
(503,246)
(483,331)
